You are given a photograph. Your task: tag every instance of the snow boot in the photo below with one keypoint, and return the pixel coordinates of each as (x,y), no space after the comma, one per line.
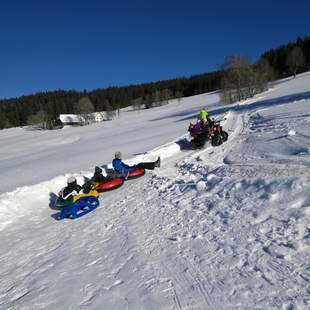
(157,162)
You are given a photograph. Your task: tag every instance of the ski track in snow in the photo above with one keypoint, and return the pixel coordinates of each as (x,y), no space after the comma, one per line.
(218,228)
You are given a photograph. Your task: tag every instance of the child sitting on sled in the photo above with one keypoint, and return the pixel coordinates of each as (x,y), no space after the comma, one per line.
(122,168)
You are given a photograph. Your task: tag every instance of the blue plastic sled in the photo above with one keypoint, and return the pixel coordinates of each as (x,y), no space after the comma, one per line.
(83,206)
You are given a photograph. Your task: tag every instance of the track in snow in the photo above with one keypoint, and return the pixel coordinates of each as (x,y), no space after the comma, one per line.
(211,229)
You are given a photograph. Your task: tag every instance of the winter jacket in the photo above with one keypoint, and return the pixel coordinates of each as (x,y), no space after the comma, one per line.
(204,116)
(99,178)
(197,126)
(120,167)
(69,191)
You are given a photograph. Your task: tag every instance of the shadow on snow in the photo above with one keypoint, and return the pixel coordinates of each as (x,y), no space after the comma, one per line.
(255,105)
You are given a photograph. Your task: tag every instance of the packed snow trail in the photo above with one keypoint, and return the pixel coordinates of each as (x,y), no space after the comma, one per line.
(218,228)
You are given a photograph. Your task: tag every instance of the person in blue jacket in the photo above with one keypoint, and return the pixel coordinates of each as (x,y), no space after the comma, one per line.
(122,168)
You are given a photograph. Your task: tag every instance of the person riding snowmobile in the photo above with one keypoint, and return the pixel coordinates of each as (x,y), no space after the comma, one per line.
(205,120)
(122,168)
(201,129)
(70,190)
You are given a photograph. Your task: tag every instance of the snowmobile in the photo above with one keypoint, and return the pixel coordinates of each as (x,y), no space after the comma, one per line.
(201,134)
(78,206)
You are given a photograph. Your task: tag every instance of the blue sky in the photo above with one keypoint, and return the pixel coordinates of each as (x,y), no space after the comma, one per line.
(89,44)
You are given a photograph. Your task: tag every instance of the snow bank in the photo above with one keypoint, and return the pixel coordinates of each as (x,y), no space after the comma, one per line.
(218,228)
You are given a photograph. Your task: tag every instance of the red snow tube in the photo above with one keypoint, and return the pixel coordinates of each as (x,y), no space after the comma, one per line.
(109,185)
(136,174)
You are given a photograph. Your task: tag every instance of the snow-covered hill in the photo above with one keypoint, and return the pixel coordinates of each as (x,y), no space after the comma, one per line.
(218,228)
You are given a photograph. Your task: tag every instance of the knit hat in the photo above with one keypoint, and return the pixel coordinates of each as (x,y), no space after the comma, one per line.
(118,155)
(98,169)
(71,180)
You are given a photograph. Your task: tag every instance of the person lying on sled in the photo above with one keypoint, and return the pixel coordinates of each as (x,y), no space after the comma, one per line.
(70,190)
(122,168)
(98,177)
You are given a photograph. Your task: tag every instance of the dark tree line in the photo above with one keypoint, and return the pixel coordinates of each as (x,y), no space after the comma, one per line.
(47,106)
(289,59)
(20,111)
(238,78)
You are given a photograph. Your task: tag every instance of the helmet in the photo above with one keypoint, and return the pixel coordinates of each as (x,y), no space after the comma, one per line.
(203,114)
(98,169)
(118,155)
(204,110)
(71,180)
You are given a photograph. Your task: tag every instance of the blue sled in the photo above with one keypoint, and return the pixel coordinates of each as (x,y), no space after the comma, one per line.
(83,206)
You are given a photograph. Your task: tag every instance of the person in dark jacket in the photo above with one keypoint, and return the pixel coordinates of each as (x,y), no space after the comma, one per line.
(98,176)
(71,189)
(122,168)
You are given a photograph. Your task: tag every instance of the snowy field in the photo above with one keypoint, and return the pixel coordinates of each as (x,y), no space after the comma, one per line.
(219,228)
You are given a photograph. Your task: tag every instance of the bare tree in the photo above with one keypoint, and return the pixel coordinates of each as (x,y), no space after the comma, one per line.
(117,111)
(39,119)
(264,74)
(85,108)
(166,94)
(156,98)
(137,104)
(295,60)
(178,95)
(147,101)
(241,80)
(110,111)
(235,82)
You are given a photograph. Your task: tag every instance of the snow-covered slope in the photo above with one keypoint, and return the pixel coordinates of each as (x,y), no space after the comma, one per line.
(28,156)
(218,228)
